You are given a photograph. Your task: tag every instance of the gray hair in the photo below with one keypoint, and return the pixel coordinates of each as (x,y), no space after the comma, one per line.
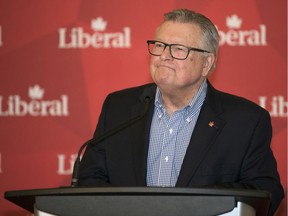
(210,33)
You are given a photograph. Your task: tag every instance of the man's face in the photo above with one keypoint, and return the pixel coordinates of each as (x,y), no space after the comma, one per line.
(172,74)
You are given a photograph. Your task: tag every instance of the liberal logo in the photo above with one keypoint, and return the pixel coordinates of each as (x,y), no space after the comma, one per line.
(236,36)
(66,164)
(99,38)
(37,106)
(276,105)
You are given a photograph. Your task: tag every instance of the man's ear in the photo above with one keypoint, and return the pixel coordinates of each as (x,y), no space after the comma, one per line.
(209,60)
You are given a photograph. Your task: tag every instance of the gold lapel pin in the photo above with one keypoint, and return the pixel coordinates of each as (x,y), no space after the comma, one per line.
(211,124)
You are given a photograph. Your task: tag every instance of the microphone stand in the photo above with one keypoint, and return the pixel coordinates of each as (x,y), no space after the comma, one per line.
(95,140)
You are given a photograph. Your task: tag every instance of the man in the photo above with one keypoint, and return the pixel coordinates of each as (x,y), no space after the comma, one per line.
(189,134)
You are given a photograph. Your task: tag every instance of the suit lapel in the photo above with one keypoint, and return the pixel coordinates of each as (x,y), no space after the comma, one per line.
(207,128)
(139,134)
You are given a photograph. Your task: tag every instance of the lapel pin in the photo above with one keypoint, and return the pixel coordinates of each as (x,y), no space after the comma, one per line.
(211,124)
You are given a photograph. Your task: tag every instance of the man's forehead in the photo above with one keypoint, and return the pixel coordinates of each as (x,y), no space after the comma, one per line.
(179,30)
(169,25)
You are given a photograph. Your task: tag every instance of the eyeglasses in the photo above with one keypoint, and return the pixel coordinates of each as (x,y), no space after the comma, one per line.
(177,51)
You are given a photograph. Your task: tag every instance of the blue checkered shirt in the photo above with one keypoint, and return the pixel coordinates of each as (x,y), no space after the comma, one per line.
(169,139)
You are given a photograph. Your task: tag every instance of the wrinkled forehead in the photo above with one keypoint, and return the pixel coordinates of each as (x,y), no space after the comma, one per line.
(190,32)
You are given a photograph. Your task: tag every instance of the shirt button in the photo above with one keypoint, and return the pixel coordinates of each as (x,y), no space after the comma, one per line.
(170,130)
(166,158)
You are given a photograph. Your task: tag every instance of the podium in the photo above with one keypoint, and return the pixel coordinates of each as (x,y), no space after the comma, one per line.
(141,201)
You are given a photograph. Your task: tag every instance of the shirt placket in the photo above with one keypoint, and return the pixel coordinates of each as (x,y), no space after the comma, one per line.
(168,149)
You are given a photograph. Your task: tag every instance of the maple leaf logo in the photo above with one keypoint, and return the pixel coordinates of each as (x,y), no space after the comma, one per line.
(98,24)
(36,92)
(233,22)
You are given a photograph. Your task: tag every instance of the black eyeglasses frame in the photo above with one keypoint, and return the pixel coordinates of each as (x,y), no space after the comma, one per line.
(169,45)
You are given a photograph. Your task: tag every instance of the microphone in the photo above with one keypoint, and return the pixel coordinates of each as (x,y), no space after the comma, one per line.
(95,140)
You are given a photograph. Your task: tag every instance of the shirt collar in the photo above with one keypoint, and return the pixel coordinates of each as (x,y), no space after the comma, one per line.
(193,104)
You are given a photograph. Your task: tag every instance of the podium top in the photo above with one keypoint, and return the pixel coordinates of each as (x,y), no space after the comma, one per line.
(26,198)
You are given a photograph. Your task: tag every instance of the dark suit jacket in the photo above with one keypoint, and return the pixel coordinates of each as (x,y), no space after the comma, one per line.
(234,152)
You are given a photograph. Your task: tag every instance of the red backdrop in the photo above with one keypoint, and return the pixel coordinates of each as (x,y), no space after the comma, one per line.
(59,59)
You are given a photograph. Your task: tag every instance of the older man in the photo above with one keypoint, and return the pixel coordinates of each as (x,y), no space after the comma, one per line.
(189,134)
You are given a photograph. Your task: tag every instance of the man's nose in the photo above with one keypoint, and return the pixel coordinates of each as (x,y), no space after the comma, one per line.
(166,55)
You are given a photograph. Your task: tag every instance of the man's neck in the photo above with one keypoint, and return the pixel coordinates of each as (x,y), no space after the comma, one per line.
(177,99)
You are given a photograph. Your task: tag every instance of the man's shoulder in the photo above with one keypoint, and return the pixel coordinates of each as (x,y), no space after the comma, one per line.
(235,102)
(135,89)
(134,93)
